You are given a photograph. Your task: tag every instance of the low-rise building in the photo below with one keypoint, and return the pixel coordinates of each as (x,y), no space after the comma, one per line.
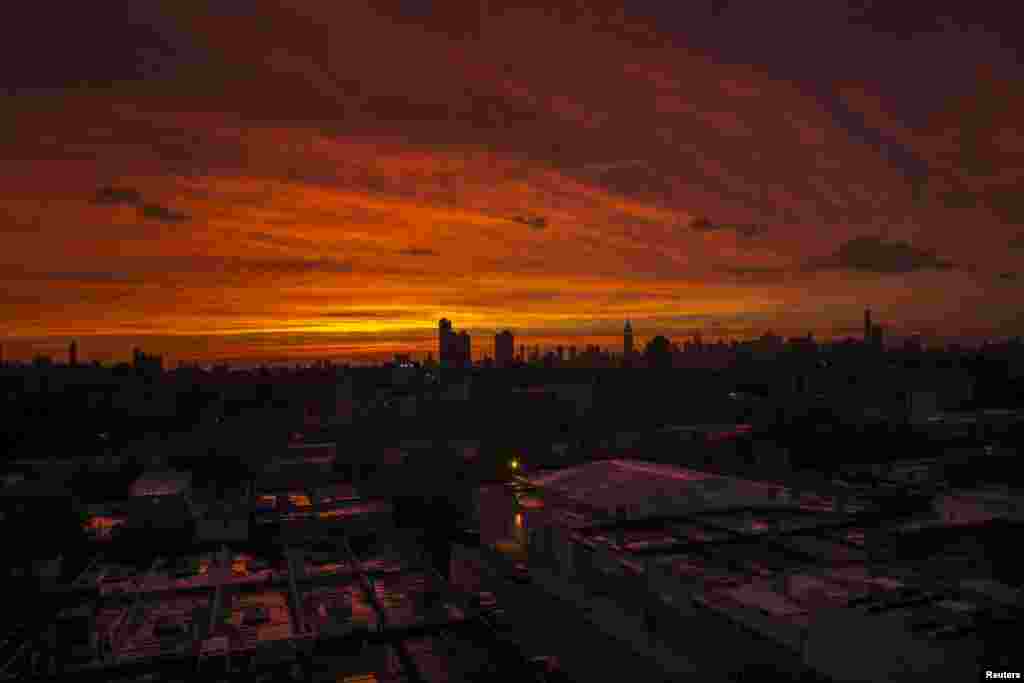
(808,572)
(160,499)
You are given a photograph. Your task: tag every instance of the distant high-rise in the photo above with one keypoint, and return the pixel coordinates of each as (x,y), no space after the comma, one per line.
(877,341)
(868,329)
(561,353)
(504,348)
(522,353)
(465,356)
(73,354)
(572,352)
(627,340)
(446,343)
(147,363)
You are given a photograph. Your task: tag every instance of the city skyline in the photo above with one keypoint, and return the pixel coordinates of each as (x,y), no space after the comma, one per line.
(196,185)
(451,347)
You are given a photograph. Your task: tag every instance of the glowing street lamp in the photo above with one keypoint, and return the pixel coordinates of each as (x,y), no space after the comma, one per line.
(514,464)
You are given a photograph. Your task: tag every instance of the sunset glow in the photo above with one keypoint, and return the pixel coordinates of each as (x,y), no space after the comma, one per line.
(333,187)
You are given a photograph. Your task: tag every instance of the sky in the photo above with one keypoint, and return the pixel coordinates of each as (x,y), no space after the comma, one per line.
(311,179)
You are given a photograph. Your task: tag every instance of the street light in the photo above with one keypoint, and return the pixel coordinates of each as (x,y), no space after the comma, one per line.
(514,464)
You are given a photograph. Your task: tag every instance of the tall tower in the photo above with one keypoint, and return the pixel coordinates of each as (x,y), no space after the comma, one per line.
(867,325)
(504,345)
(627,340)
(445,342)
(73,354)
(465,356)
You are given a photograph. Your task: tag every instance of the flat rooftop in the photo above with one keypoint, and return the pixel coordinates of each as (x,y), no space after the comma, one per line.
(161,483)
(650,489)
(782,565)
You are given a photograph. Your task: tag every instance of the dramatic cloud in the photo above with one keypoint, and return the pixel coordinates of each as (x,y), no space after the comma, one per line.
(364,186)
(117,195)
(162,213)
(758,273)
(418,251)
(75,277)
(703,224)
(874,255)
(535,222)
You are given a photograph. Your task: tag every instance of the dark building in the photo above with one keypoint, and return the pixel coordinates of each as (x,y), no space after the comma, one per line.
(572,353)
(448,344)
(627,341)
(454,349)
(464,357)
(504,348)
(144,362)
(73,354)
(877,342)
(867,326)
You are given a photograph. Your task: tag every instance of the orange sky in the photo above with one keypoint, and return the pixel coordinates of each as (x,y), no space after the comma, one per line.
(327,182)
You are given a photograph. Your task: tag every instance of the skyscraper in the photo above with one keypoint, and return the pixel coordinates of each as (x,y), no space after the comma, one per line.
(446,343)
(572,352)
(73,354)
(627,341)
(465,356)
(867,326)
(877,340)
(504,348)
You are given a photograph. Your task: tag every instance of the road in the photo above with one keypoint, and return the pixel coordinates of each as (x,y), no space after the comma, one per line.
(547,625)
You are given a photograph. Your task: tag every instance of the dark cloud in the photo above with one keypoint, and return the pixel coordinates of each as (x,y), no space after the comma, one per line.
(457,21)
(759,274)
(101,44)
(162,213)
(704,224)
(630,178)
(117,195)
(114,196)
(141,269)
(875,255)
(535,222)
(77,277)
(418,251)
(1008,205)
(483,111)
